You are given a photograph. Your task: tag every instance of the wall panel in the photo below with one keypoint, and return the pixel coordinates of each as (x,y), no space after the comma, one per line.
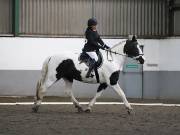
(54,17)
(123,17)
(5,16)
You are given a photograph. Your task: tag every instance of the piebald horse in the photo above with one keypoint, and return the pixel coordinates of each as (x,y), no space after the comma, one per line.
(68,68)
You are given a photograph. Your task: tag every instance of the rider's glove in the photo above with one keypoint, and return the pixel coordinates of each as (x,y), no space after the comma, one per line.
(102,47)
(106,47)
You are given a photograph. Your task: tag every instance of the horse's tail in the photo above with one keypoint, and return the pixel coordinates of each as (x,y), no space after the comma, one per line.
(39,88)
(44,70)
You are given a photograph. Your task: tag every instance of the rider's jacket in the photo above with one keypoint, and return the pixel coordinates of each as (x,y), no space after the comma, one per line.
(94,42)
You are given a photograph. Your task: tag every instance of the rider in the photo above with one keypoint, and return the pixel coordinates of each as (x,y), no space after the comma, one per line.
(93,44)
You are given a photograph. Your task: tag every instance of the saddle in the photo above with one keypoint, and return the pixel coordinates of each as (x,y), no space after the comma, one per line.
(84,58)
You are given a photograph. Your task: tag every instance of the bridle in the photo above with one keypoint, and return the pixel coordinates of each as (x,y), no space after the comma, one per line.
(108,51)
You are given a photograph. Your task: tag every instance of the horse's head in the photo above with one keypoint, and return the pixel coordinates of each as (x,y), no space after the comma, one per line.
(133,50)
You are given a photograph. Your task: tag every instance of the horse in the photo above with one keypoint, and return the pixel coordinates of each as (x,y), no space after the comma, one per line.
(68,68)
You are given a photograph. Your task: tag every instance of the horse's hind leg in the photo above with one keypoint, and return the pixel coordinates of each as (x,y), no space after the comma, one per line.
(42,85)
(40,93)
(68,90)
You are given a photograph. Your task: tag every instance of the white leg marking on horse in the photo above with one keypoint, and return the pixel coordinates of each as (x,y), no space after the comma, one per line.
(41,91)
(45,86)
(92,102)
(68,90)
(120,92)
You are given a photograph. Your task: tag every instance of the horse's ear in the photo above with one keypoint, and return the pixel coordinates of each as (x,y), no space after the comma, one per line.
(125,47)
(134,38)
(124,50)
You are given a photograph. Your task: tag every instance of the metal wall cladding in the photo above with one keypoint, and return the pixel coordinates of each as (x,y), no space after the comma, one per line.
(176,19)
(177,22)
(5,16)
(54,17)
(147,18)
(123,17)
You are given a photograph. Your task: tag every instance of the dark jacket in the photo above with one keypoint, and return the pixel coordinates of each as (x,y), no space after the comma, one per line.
(93,39)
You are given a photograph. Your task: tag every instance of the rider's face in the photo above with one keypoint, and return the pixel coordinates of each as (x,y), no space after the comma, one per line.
(94,27)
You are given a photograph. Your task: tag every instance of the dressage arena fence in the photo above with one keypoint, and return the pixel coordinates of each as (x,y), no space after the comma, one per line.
(97,103)
(53,100)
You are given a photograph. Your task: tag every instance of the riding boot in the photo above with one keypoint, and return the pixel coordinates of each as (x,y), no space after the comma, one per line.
(91,67)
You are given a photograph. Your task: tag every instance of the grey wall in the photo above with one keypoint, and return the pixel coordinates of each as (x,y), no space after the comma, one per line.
(169,84)
(156,85)
(151,84)
(23,83)
(161,84)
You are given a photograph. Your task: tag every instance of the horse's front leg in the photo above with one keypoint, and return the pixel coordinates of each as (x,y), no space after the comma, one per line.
(120,92)
(68,90)
(98,94)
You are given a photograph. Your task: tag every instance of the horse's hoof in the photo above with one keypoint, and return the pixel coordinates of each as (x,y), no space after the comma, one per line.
(80,109)
(87,110)
(130,111)
(35,109)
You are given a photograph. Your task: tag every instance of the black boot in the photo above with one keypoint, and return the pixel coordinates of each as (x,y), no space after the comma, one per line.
(91,67)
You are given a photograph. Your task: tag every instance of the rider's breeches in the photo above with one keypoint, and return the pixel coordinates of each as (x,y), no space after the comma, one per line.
(93,55)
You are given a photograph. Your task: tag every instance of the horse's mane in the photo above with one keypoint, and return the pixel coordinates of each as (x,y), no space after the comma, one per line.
(118,47)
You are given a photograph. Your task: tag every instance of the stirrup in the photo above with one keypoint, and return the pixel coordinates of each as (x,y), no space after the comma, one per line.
(91,75)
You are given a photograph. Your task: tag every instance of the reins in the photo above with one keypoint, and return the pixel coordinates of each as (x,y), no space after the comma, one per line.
(109,51)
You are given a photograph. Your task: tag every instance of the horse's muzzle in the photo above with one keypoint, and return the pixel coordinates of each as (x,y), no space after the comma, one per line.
(140,59)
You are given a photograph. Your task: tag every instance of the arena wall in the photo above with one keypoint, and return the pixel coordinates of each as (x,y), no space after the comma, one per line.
(21,60)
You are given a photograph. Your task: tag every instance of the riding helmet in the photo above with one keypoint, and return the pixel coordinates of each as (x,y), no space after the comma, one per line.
(92,22)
